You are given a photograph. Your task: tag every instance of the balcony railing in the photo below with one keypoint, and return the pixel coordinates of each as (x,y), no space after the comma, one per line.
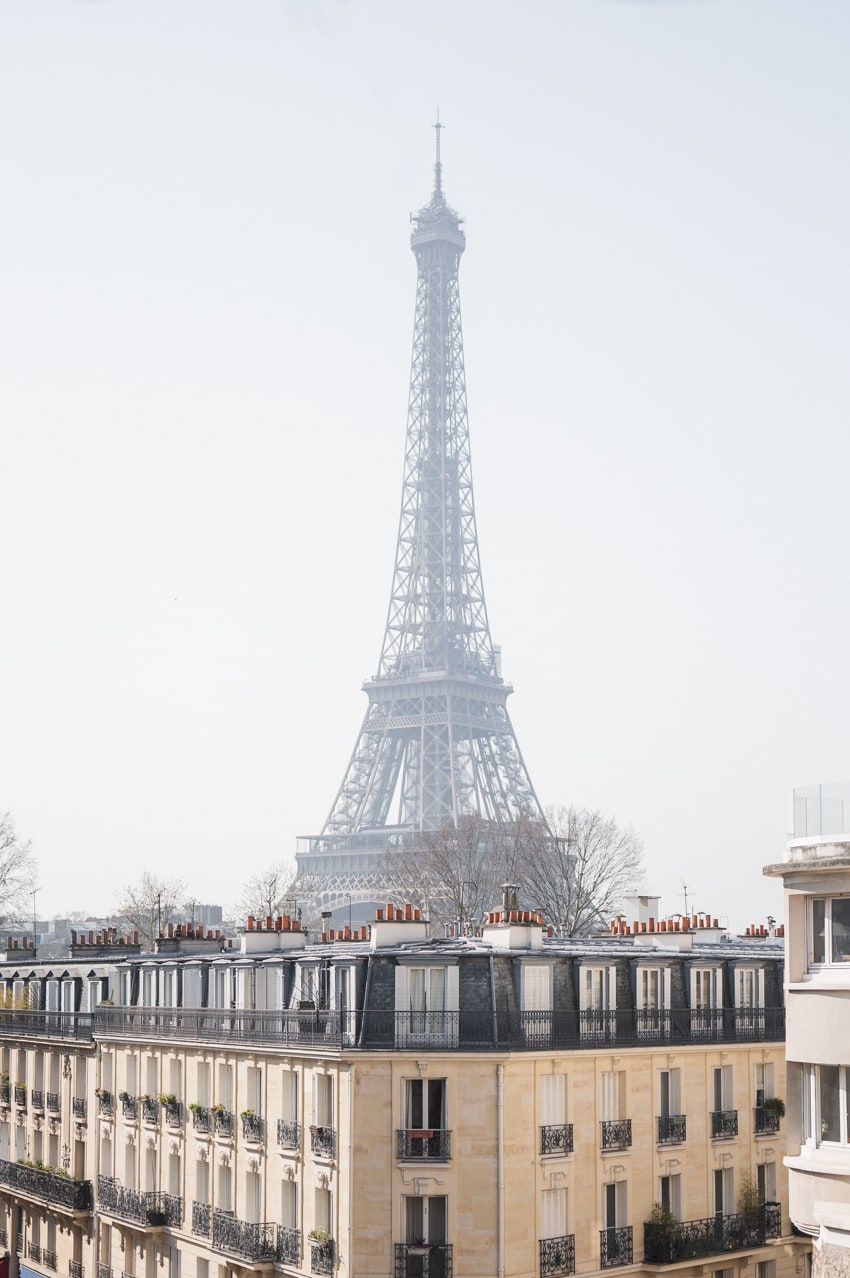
(37,1098)
(663,1245)
(5,1093)
(222,1122)
(16,1023)
(104,1271)
(252,1127)
(556,1138)
(322,1257)
(288,1133)
(50,1186)
(173,1113)
(724,1124)
(288,1250)
(201,1219)
(150,1109)
(249,1241)
(615,1247)
(431,1260)
(21,1095)
(615,1133)
(48,1258)
(53,1102)
(424,1142)
(672,1129)
(765,1120)
(322,1141)
(201,1120)
(76,1269)
(129,1106)
(557,1256)
(143,1207)
(381,1029)
(105,1103)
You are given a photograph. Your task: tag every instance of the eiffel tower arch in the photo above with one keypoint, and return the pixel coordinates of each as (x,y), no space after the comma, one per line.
(436,743)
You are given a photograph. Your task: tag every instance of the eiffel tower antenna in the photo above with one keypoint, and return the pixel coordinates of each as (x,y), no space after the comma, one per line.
(436,744)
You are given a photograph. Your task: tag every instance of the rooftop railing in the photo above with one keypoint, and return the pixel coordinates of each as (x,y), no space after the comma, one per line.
(666,1245)
(28,1024)
(821,810)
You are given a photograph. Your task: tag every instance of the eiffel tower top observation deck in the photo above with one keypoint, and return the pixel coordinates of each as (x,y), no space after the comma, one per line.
(436,744)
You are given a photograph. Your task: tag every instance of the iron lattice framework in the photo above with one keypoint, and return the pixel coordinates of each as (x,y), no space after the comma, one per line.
(437,743)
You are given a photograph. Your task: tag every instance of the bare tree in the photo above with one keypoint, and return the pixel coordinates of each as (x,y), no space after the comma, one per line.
(269,891)
(18,871)
(147,906)
(580,869)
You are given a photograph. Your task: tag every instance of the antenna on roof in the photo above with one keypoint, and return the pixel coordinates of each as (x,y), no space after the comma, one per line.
(438,168)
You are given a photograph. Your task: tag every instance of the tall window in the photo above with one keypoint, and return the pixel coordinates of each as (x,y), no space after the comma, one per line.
(724,1191)
(826,1105)
(829,930)
(670,1194)
(424,1219)
(763,1080)
(669,1092)
(323,1100)
(424,1102)
(766,1182)
(425,997)
(553,1213)
(615,1205)
(612,1095)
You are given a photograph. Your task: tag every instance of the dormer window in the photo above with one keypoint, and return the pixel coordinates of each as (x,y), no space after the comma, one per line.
(426,1000)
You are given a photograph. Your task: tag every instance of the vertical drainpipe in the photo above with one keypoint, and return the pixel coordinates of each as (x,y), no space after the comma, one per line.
(350,1171)
(500,1168)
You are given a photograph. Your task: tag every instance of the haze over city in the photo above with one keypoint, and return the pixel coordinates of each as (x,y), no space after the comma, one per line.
(205,332)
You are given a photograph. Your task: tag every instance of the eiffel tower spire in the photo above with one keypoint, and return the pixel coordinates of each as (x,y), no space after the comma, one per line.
(436,743)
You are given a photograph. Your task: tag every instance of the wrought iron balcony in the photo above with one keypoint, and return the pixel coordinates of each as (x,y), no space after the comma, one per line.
(48,1258)
(322,1141)
(724,1124)
(557,1256)
(765,1120)
(142,1207)
(105,1103)
(690,1239)
(129,1105)
(21,1095)
(252,1127)
(104,1271)
(37,1098)
(173,1111)
(556,1138)
(150,1109)
(50,1186)
(428,1260)
(76,1269)
(288,1250)
(201,1120)
(38,1024)
(5,1093)
(322,1256)
(424,1142)
(4,1238)
(34,1252)
(201,1219)
(672,1129)
(288,1133)
(222,1122)
(615,1247)
(53,1102)
(249,1241)
(615,1133)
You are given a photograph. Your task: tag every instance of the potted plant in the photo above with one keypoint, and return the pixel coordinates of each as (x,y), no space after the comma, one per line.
(123,1096)
(774,1105)
(661,1233)
(247,1113)
(196,1107)
(317,1237)
(167,1098)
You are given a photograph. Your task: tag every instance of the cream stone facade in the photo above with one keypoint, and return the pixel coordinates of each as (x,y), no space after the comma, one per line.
(816,876)
(505,1105)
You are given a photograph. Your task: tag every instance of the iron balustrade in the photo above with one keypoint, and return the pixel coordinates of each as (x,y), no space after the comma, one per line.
(104,1271)
(4,1238)
(428,1260)
(252,1127)
(76,1269)
(322,1141)
(173,1113)
(201,1219)
(222,1122)
(376,1028)
(615,1247)
(766,1120)
(51,1186)
(34,1252)
(200,1118)
(78,1106)
(615,1133)
(556,1138)
(557,1256)
(18,1023)
(665,1244)
(672,1129)
(724,1124)
(5,1093)
(288,1133)
(21,1095)
(322,1256)
(434,1143)
(105,1103)
(144,1207)
(150,1109)
(129,1105)
(288,1249)
(37,1098)
(48,1258)
(53,1102)
(246,1239)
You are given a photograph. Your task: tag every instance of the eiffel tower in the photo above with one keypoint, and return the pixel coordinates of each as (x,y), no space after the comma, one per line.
(436,744)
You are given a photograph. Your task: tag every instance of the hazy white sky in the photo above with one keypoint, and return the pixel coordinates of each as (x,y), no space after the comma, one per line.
(205,325)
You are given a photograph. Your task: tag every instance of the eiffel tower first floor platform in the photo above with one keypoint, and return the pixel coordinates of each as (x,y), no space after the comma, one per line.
(353,872)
